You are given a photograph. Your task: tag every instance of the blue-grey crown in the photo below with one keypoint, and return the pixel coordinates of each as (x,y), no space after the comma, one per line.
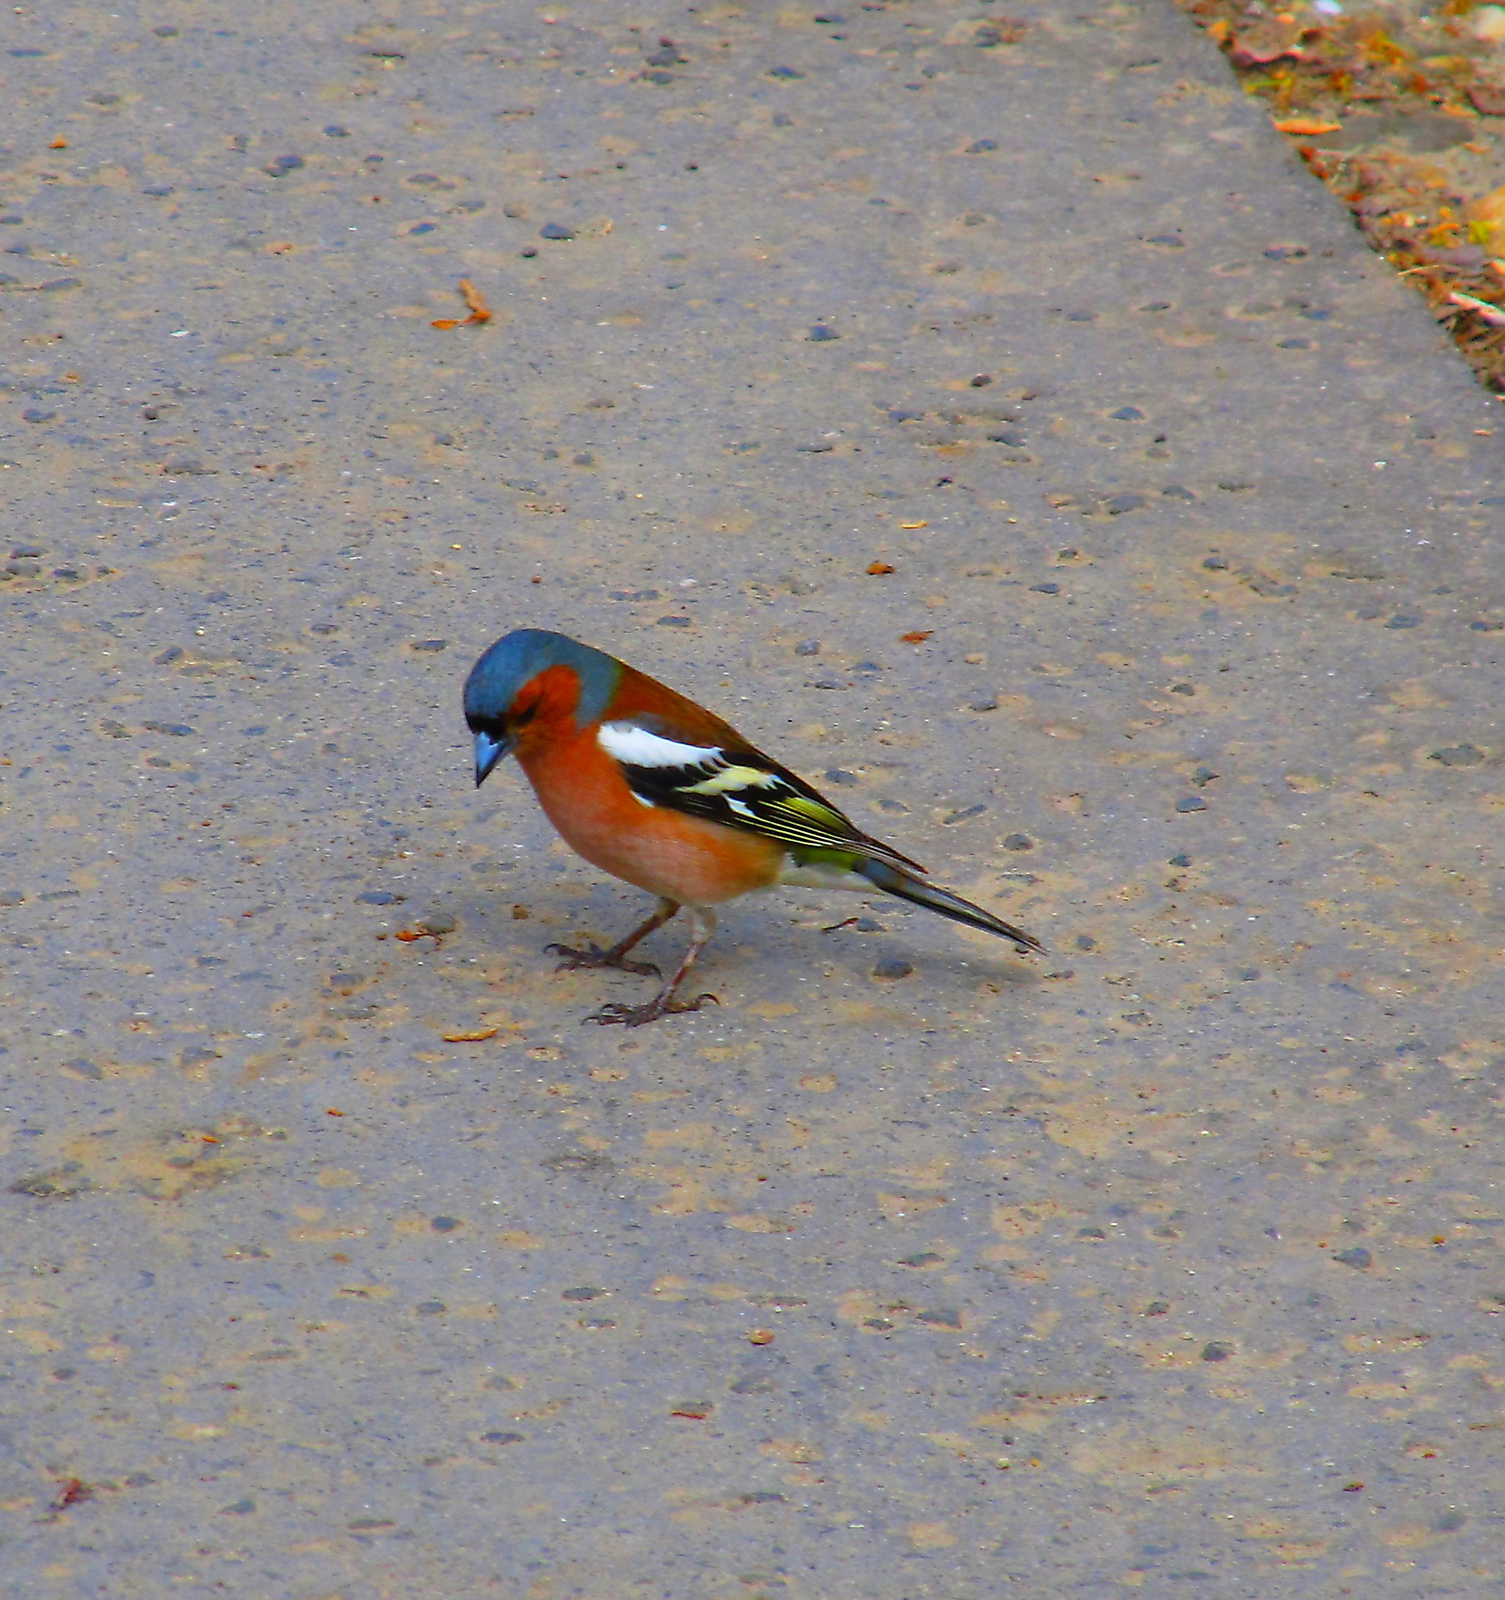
(504,668)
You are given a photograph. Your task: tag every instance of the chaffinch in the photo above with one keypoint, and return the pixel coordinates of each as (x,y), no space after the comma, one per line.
(660,792)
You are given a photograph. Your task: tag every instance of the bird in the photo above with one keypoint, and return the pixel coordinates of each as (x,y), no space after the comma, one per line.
(653,788)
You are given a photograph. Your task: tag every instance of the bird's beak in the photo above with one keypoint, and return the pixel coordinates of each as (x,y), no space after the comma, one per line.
(489,752)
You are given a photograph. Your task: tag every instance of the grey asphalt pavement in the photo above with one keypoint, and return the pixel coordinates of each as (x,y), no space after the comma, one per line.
(988,416)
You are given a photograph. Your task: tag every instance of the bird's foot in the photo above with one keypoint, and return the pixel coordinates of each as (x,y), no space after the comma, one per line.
(635,1016)
(594,956)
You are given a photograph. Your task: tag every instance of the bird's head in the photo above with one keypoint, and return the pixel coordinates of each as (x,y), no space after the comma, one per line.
(531,686)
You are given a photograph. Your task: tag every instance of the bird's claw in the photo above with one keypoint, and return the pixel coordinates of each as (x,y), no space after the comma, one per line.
(594,956)
(636,1016)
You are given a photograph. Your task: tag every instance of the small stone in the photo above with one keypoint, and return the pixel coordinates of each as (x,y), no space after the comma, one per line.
(378,897)
(988,702)
(1009,436)
(1127,414)
(1404,619)
(1458,755)
(586,1293)
(159,191)
(166,657)
(1018,841)
(1085,941)
(280,166)
(925,1258)
(891,968)
(1177,491)
(674,622)
(1180,861)
(1216,564)
(1156,1308)
(238,1508)
(430,1308)
(1045,588)
(840,775)
(981,146)
(1191,803)
(430,644)
(1356,1256)
(36,415)
(941,1317)
(807,647)
(783,72)
(1167,241)
(445,1224)
(1120,503)
(583,459)
(501,1438)
(335,131)
(963,814)
(555,230)
(1217,1350)
(821,333)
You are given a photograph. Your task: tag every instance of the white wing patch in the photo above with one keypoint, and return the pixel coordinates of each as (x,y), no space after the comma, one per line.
(636,747)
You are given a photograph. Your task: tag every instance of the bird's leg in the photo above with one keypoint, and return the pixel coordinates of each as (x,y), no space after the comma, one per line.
(594,956)
(664,1004)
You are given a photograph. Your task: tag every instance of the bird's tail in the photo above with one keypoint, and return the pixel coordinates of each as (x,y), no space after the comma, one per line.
(883,876)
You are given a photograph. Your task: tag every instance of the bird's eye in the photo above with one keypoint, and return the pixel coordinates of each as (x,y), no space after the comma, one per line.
(521,719)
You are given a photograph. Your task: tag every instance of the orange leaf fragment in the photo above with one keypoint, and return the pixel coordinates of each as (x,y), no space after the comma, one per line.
(1308,126)
(329,1111)
(696,1413)
(59,143)
(876,569)
(913,525)
(917,635)
(470,1036)
(761,1336)
(474,304)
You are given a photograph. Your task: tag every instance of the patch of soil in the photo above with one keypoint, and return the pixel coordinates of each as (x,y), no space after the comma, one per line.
(1401,112)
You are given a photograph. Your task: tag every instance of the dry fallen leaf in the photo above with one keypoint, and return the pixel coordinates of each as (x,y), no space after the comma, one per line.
(1309,126)
(479,310)
(917,635)
(876,569)
(470,1036)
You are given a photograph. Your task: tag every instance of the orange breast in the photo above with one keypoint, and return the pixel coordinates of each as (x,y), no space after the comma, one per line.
(695,862)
